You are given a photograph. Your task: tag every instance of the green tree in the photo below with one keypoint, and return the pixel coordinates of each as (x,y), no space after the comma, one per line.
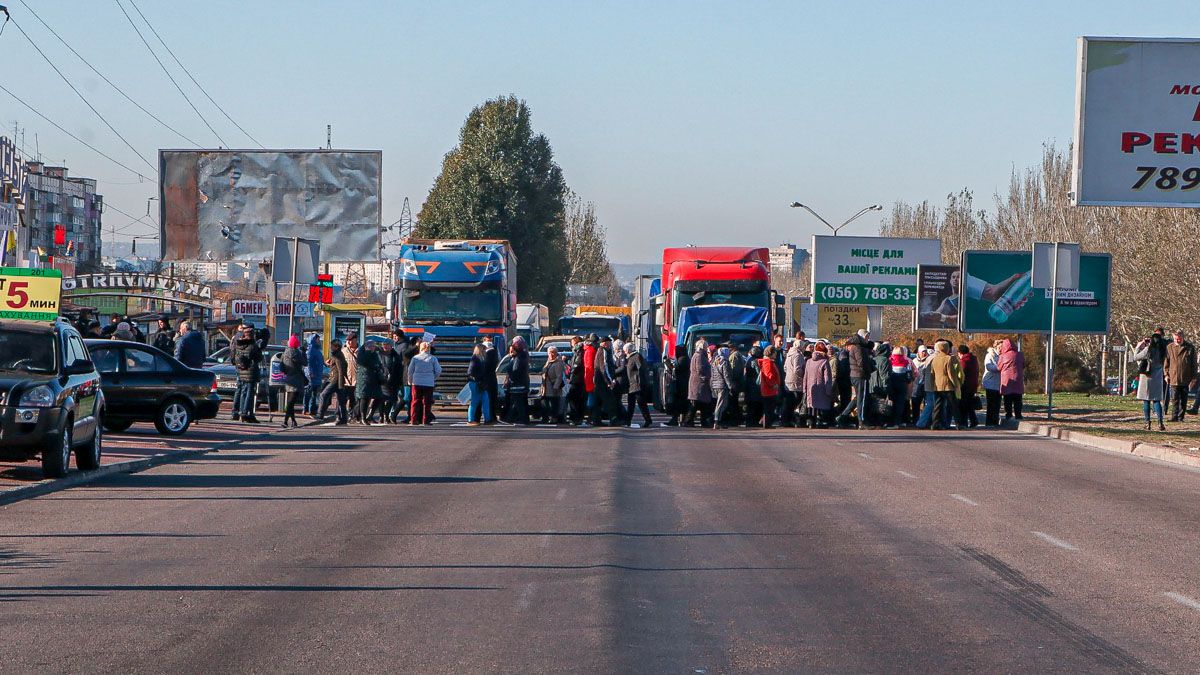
(501,182)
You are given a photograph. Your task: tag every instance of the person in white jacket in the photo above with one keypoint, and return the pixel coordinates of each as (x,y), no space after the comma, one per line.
(991,385)
(423,373)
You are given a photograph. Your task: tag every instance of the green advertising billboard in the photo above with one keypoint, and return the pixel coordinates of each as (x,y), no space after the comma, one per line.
(998,297)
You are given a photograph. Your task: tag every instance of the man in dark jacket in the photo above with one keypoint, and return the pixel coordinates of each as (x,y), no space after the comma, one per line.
(491,361)
(681,373)
(392,381)
(577,397)
(190,349)
(637,377)
(602,406)
(164,339)
(247,359)
(861,366)
(1179,366)
(316,375)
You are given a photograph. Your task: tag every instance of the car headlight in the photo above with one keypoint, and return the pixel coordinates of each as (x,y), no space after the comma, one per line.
(38,397)
(410,267)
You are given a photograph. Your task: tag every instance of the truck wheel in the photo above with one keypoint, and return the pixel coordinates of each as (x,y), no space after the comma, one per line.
(174,417)
(87,457)
(117,425)
(56,458)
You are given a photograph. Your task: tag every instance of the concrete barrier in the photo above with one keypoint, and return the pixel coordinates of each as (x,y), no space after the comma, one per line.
(1115,445)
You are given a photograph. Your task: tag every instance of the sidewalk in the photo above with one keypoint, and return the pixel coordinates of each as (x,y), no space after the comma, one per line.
(139,447)
(1174,455)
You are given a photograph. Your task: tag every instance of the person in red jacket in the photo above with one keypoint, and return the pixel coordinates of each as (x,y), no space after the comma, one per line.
(589,372)
(769,381)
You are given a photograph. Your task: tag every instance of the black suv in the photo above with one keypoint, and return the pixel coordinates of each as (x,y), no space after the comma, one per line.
(50,398)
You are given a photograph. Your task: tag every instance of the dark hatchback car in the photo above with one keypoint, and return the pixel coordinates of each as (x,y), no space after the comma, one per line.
(144,384)
(50,397)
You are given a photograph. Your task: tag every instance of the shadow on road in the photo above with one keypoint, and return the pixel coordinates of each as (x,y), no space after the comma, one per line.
(18,591)
(152,480)
(598,533)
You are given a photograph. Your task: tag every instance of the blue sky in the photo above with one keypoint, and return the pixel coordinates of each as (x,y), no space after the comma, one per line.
(685,122)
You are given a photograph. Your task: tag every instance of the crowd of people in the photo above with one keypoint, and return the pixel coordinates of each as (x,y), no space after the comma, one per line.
(860,384)
(604,382)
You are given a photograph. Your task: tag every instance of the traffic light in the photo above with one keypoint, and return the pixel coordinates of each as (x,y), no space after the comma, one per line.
(322,291)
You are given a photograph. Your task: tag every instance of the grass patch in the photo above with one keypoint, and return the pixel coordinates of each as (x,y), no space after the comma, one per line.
(1114,416)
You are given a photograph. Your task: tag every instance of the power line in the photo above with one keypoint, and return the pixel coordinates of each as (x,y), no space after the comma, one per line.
(101,75)
(84,99)
(169,76)
(189,74)
(81,141)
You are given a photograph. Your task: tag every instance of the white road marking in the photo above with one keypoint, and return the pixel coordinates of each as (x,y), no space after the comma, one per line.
(524,600)
(906,474)
(1055,541)
(1184,600)
(864,455)
(562,492)
(964,500)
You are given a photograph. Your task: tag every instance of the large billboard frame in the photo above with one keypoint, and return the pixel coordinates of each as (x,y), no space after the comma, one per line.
(962,314)
(1077,153)
(330,256)
(905,294)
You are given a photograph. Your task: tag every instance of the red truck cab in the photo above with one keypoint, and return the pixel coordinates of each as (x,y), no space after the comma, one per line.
(730,275)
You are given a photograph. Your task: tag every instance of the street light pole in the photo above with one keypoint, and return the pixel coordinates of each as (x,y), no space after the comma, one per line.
(873,207)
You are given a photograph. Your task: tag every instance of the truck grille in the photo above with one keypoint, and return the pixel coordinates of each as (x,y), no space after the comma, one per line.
(454,353)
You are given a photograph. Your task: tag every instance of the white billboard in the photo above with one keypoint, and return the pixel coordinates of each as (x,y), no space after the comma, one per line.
(869,270)
(1137,122)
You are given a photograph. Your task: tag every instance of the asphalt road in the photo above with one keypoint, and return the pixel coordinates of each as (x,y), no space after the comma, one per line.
(449,549)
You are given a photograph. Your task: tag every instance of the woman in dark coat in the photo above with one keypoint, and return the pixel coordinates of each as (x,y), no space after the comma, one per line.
(368,385)
(517,389)
(295,382)
(699,385)
(681,374)
(819,386)
(754,401)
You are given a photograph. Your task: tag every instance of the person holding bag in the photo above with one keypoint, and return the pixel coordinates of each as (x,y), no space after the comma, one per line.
(295,382)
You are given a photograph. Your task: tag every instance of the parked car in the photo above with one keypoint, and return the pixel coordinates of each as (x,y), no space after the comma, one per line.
(560,342)
(218,363)
(50,396)
(144,384)
(537,361)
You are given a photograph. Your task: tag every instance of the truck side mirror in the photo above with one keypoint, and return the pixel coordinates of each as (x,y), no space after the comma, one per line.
(660,316)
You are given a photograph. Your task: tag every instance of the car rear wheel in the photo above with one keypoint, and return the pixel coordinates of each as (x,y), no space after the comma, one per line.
(87,457)
(117,425)
(174,417)
(56,458)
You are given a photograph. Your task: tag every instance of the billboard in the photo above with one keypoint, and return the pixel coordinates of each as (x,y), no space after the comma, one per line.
(832,322)
(1136,109)
(869,270)
(998,295)
(937,297)
(232,204)
(30,294)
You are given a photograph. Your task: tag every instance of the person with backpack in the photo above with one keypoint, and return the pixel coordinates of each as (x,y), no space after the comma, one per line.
(295,382)
(247,360)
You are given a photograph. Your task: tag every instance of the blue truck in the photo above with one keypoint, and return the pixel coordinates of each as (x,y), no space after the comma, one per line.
(460,292)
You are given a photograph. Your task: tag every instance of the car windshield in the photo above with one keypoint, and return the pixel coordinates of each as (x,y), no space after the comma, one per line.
(582,325)
(453,304)
(27,351)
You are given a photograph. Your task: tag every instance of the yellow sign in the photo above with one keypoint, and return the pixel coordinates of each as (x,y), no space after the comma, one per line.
(30,293)
(837,322)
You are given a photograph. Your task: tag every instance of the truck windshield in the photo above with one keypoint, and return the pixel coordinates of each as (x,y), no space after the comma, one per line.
(454,304)
(755,298)
(600,325)
(26,351)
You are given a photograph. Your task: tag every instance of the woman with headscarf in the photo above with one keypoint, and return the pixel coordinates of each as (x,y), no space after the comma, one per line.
(517,389)
(916,398)
(793,382)
(295,382)
(1012,379)
(1149,355)
(769,380)
(699,387)
(899,375)
(722,385)
(819,386)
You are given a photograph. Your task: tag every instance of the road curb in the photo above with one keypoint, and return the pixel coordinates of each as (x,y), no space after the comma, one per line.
(1161,453)
(48,486)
